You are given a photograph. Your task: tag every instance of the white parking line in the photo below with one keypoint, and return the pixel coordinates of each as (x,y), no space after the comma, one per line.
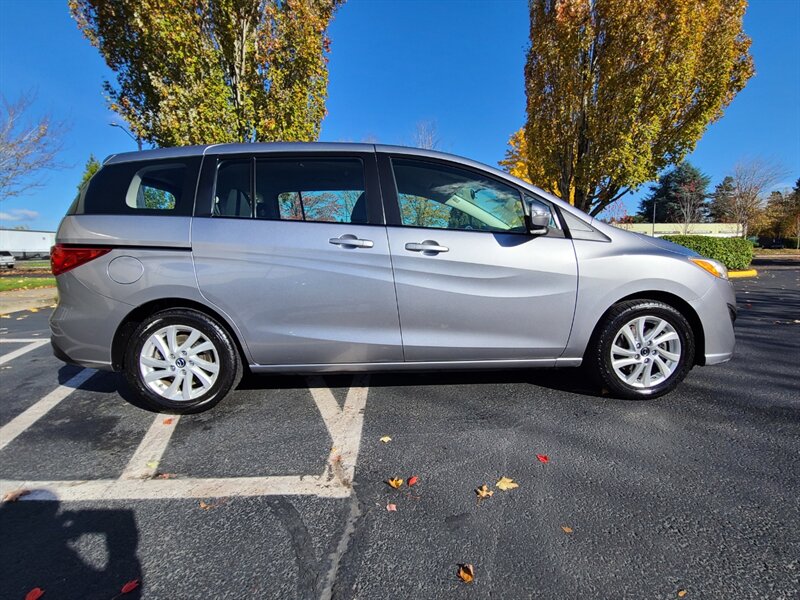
(137,480)
(20,423)
(165,489)
(344,425)
(32,344)
(144,463)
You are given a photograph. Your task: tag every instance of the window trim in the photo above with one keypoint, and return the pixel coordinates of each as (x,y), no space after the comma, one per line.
(392,200)
(206,187)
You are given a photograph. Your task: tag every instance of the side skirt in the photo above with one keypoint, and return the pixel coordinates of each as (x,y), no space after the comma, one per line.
(418,366)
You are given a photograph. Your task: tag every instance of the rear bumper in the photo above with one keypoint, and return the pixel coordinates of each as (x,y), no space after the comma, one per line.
(83,325)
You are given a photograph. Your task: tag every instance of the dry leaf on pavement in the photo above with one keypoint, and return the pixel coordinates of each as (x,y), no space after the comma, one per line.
(34,594)
(484,492)
(130,586)
(386,439)
(682,593)
(168,421)
(466,573)
(391,507)
(566,529)
(15,495)
(413,480)
(543,458)
(506,483)
(394,482)
(166,476)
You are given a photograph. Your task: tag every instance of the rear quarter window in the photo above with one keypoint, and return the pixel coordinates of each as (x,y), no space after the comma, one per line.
(163,187)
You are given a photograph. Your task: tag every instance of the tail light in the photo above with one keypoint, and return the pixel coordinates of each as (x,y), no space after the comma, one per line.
(64,258)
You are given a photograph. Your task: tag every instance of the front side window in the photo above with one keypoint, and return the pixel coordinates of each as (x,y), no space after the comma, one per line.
(324,190)
(444,197)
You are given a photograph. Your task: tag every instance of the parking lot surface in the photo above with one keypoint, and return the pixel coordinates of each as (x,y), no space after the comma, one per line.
(280,491)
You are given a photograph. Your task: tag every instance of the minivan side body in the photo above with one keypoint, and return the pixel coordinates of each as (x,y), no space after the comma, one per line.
(355,257)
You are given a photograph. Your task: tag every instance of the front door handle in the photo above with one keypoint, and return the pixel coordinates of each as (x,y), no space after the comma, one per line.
(348,240)
(426,247)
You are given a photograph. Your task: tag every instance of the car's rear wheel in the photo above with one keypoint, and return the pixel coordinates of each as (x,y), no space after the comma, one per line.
(643,349)
(182,361)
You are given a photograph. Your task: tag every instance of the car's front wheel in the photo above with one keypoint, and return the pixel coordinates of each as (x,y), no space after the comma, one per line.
(643,349)
(181,361)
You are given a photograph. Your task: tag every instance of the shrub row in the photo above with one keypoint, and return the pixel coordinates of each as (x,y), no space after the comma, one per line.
(734,253)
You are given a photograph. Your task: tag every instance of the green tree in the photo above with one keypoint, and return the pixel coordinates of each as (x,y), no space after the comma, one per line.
(92,166)
(783,213)
(619,90)
(212,71)
(679,196)
(721,198)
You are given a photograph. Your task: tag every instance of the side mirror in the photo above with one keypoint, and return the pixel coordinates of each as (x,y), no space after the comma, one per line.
(538,216)
(540,220)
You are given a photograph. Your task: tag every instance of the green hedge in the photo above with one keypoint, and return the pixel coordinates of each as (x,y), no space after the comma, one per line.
(734,253)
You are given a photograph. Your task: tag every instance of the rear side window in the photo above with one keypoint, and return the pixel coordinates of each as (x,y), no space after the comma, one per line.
(325,190)
(165,187)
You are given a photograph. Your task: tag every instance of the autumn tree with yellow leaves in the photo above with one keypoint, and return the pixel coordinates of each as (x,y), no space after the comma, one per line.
(211,71)
(617,90)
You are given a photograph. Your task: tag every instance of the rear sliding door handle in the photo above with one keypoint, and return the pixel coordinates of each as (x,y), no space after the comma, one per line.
(348,240)
(427,246)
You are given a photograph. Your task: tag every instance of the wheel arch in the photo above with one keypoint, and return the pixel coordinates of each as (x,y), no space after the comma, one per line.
(140,313)
(675,302)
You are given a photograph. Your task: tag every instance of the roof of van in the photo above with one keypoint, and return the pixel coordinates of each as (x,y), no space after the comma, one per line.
(274,147)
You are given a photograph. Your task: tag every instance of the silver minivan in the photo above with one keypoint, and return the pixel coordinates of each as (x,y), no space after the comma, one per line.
(182,267)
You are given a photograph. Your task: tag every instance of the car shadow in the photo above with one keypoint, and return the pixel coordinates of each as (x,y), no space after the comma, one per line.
(572,380)
(45,546)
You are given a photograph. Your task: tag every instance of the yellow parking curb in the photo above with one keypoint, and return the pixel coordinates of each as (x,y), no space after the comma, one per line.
(748,273)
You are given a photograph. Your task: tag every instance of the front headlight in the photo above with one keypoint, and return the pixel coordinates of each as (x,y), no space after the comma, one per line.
(716,268)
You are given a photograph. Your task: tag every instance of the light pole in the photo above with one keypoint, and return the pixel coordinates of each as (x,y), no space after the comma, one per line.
(130,135)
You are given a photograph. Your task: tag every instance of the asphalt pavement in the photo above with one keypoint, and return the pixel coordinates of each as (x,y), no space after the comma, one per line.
(280,491)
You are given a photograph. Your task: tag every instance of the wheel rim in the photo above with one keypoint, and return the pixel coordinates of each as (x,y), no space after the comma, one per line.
(646,352)
(179,363)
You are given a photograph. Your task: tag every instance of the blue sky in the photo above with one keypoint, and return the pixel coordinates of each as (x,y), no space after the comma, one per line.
(393,64)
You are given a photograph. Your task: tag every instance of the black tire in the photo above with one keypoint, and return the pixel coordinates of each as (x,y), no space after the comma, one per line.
(230,364)
(599,353)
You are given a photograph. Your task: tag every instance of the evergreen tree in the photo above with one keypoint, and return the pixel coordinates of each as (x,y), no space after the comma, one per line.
(719,207)
(684,186)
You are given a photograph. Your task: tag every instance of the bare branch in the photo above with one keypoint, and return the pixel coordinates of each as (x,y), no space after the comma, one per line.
(426,135)
(27,147)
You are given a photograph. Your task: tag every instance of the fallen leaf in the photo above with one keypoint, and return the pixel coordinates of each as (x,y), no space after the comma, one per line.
(682,593)
(33,310)
(34,594)
(412,480)
(152,464)
(205,506)
(391,507)
(166,476)
(168,421)
(566,529)
(394,482)
(15,495)
(386,439)
(484,492)
(130,586)
(466,573)
(543,458)
(506,484)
